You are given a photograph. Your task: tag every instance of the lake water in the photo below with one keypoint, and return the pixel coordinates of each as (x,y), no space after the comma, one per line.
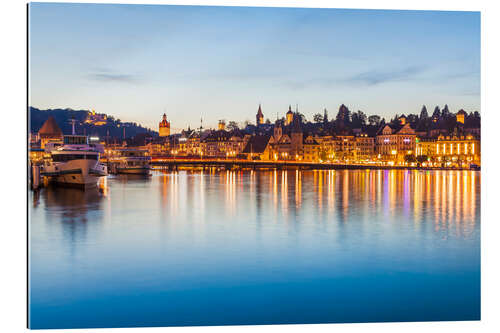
(256,247)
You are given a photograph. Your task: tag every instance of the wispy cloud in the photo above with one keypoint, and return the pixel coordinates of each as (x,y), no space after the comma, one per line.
(107,75)
(372,78)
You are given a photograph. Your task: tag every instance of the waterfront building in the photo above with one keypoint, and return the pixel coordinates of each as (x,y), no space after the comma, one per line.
(257,148)
(345,148)
(236,143)
(451,150)
(364,147)
(311,150)
(279,143)
(50,132)
(222,143)
(193,146)
(259,118)
(425,146)
(296,137)
(393,142)
(164,127)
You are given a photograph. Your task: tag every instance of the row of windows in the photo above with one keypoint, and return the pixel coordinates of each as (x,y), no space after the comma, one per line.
(71,157)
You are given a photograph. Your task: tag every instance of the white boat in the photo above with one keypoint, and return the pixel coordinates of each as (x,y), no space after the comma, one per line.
(75,163)
(132,161)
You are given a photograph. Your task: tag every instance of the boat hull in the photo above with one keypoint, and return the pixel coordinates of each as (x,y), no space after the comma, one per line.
(134,170)
(76,173)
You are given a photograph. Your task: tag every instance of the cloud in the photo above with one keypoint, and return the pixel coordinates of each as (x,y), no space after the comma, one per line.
(113,77)
(107,75)
(372,78)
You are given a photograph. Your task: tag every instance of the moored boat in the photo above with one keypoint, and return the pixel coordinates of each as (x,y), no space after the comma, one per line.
(131,161)
(75,163)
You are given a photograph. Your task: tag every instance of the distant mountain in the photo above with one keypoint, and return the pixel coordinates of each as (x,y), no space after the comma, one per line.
(87,122)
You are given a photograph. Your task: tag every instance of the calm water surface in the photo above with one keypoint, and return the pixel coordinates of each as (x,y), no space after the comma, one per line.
(215,248)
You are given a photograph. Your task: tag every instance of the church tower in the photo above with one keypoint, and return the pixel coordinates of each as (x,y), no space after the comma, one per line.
(278,130)
(164,126)
(259,117)
(289,116)
(297,135)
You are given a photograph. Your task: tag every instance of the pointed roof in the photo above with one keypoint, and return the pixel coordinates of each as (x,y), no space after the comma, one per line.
(50,128)
(259,112)
(289,110)
(257,144)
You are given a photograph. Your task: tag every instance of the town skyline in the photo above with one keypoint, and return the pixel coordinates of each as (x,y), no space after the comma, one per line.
(120,60)
(250,120)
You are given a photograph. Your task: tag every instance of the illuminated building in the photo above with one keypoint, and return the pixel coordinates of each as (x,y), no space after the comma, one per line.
(345,148)
(289,116)
(296,137)
(222,125)
(36,155)
(456,151)
(394,142)
(164,126)
(96,119)
(257,148)
(364,147)
(402,120)
(461,116)
(311,150)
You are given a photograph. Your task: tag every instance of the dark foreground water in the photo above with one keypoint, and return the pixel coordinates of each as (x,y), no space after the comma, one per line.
(216,248)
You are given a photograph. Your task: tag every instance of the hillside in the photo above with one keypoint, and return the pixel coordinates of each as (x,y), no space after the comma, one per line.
(87,122)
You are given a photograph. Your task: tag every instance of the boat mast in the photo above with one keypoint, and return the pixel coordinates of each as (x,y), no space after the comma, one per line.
(73,132)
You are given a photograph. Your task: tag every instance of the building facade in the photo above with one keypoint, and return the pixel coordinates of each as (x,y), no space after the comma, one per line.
(393,143)
(164,126)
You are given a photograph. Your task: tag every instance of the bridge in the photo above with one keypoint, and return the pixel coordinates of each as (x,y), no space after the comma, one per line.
(230,164)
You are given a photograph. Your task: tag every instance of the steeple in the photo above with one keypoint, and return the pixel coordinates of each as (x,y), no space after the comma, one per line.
(289,116)
(259,117)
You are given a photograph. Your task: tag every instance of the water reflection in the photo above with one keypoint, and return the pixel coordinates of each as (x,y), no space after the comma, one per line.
(72,204)
(179,232)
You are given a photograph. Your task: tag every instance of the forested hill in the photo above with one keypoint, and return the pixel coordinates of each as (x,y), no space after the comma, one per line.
(87,122)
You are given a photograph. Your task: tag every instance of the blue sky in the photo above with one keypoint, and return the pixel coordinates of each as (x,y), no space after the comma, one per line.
(136,61)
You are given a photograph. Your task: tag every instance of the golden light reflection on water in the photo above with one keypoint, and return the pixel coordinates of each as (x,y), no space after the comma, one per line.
(445,199)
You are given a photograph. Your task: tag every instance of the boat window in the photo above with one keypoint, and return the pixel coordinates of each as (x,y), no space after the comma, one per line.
(75,140)
(71,157)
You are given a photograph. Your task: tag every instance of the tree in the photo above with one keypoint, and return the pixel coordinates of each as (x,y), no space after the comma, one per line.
(374,120)
(344,114)
(412,118)
(232,125)
(358,119)
(268,121)
(437,112)
(410,158)
(423,114)
(302,117)
(318,118)
(421,159)
(445,112)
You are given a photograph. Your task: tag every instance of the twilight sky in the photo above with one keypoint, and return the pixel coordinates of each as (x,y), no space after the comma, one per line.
(136,61)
